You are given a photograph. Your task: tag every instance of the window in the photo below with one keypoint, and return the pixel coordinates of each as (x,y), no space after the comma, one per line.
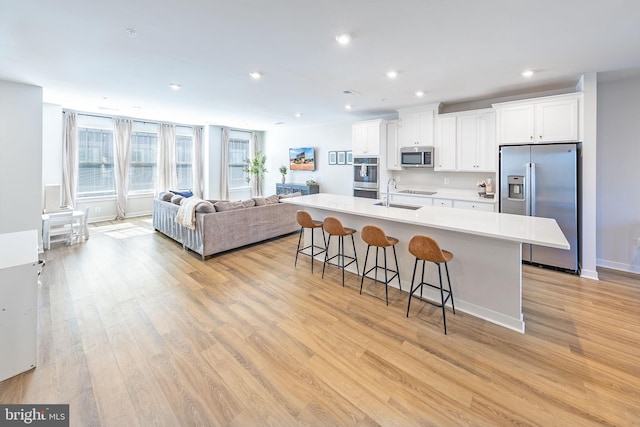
(238,153)
(142,165)
(95,163)
(184,161)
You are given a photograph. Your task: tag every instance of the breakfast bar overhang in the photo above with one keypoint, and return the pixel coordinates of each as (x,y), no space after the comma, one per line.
(486,272)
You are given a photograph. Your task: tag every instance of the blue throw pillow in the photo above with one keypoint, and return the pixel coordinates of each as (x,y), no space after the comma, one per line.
(188,193)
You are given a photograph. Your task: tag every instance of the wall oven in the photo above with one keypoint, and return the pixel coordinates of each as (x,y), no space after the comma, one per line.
(365,177)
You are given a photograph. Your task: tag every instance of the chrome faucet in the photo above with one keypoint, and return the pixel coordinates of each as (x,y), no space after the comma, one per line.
(395,186)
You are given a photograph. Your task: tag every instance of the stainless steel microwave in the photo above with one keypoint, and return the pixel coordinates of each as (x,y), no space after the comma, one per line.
(420,156)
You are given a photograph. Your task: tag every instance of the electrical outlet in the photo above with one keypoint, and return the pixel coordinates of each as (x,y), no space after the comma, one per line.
(98,209)
(446,181)
(638,242)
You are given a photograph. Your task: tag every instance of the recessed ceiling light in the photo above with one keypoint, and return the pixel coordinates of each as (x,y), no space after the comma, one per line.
(419,93)
(175,86)
(527,73)
(343,38)
(348,107)
(298,115)
(392,74)
(255,74)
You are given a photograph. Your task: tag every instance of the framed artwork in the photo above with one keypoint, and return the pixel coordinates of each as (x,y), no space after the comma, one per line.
(342,157)
(333,157)
(302,159)
(349,157)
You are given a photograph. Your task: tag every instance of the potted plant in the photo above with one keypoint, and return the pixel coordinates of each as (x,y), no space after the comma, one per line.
(254,168)
(283,171)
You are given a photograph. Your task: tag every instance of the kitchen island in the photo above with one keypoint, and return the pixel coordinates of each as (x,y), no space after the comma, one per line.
(486,272)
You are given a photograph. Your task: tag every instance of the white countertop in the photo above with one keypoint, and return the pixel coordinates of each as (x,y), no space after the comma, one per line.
(442,193)
(518,228)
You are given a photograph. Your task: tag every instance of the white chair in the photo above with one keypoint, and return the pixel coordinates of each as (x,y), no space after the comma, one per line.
(80,230)
(59,229)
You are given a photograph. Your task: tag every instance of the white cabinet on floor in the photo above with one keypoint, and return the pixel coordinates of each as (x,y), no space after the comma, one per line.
(539,120)
(417,125)
(393,148)
(18,302)
(368,137)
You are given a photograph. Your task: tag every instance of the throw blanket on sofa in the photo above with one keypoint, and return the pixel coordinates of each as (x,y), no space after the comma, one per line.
(186,215)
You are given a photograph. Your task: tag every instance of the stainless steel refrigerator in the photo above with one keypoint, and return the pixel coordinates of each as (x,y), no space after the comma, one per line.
(542,180)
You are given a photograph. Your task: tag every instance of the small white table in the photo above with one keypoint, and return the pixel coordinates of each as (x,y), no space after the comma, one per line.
(77,220)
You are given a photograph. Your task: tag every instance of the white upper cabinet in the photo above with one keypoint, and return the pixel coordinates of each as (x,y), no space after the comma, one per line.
(466,142)
(445,147)
(417,125)
(547,119)
(368,137)
(477,142)
(393,148)
(557,121)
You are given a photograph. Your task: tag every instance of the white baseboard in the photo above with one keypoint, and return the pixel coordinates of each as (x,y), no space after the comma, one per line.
(618,266)
(589,274)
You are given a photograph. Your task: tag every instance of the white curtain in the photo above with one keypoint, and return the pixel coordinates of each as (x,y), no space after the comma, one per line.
(224,167)
(256,182)
(70,159)
(122,140)
(198,164)
(167,173)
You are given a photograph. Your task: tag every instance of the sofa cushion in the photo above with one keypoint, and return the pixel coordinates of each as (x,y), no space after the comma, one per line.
(177,199)
(227,206)
(248,203)
(259,201)
(272,200)
(205,207)
(165,196)
(187,193)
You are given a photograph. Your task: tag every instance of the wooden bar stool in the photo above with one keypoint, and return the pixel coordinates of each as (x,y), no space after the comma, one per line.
(374,236)
(334,227)
(304,219)
(424,248)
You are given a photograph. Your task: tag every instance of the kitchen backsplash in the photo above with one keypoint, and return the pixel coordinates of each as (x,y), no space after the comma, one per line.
(430,179)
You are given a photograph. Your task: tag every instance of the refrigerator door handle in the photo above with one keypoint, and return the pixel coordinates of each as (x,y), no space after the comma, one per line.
(527,189)
(532,182)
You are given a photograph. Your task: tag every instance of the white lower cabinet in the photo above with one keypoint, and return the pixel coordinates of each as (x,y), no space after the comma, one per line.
(464,204)
(445,203)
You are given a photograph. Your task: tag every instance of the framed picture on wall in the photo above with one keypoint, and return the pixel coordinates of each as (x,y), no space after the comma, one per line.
(349,157)
(333,157)
(342,157)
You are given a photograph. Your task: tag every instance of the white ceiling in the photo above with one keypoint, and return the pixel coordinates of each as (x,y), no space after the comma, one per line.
(456,51)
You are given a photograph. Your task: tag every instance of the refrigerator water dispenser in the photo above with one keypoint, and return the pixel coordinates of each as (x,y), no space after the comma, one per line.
(516,187)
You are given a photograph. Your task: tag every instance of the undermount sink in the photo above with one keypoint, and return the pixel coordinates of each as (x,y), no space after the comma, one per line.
(397,205)
(422,193)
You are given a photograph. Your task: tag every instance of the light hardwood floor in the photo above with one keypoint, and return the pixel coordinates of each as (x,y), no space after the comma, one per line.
(134,331)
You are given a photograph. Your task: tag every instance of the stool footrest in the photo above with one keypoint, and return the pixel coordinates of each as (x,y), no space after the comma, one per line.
(320,250)
(419,286)
(395,274)
(328,260)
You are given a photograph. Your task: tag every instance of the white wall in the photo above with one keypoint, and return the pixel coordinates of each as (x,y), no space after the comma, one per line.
(21,156)
(618,180)
(335,179)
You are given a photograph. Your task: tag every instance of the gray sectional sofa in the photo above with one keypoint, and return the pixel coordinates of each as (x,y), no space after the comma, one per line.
(222,226)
